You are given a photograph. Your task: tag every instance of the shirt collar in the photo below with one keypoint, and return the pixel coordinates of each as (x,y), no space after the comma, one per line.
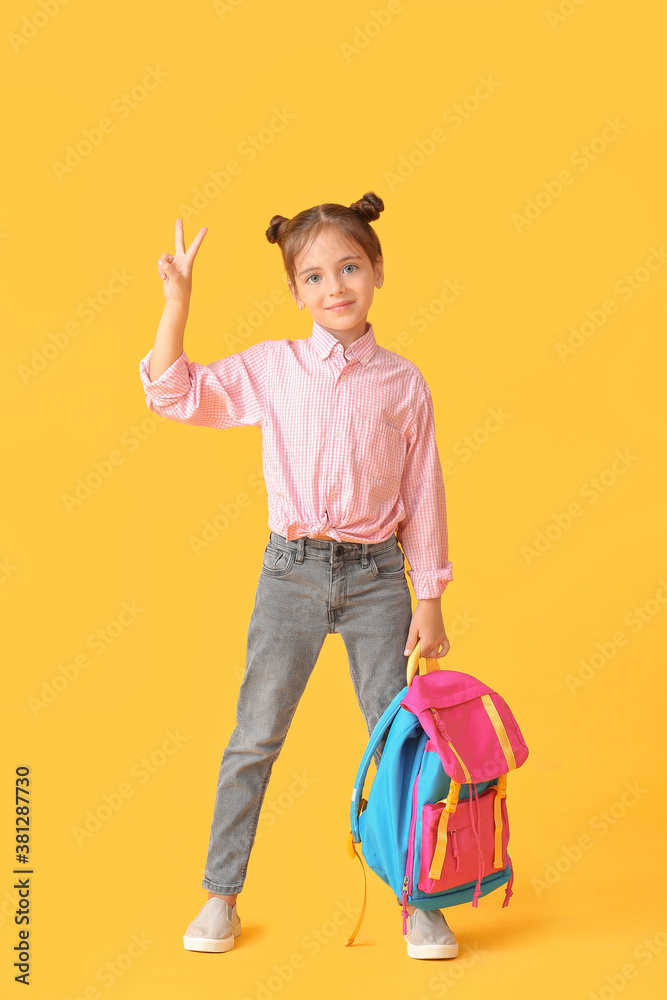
(362,348)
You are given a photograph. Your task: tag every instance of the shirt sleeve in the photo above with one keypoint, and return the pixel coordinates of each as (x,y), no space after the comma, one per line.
(423,531)
(226,393)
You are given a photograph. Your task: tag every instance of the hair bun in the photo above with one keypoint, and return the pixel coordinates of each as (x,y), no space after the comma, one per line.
(369,207)
(273,233)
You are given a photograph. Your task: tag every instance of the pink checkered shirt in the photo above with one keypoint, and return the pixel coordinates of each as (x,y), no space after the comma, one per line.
(348,439)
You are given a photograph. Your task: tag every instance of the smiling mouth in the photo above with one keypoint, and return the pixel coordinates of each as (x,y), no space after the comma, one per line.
(340,305)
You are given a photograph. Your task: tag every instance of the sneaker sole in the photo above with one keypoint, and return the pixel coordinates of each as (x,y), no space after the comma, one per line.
(215,945)
(431,950)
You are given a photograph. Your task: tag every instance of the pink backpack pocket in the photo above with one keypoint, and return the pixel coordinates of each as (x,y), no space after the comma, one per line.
(473,846)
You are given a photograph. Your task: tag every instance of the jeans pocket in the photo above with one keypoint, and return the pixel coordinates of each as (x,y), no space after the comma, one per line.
(388,562)
(276,561)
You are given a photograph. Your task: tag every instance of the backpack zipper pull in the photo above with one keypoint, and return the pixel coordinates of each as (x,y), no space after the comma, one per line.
(456,849)
(405,905)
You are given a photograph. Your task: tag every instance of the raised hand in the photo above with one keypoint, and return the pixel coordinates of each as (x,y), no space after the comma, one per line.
(176,269)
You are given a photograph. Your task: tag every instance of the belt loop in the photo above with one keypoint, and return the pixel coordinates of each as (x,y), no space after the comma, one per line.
(300,542)
(364,555)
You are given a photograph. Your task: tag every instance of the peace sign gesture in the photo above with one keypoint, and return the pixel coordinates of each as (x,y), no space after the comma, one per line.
(176,269)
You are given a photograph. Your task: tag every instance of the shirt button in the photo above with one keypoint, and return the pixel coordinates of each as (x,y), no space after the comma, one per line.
(343,377)
(332,493)
(337,434)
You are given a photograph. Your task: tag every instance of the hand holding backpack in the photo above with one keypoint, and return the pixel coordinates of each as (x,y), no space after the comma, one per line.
(434,826)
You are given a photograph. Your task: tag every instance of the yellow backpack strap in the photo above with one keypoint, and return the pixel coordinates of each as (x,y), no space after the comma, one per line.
(501,732)
(501,792)
(352,851)
(440,851)
(415,666)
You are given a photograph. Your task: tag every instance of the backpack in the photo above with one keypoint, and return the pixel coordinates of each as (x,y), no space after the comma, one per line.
(434,826)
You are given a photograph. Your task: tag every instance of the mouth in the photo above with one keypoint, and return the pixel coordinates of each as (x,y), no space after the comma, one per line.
(340,306)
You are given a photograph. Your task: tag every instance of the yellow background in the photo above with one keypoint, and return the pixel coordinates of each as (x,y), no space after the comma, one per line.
(361,99)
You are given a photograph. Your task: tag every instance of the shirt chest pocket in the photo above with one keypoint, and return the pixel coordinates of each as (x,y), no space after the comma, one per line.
(380,447)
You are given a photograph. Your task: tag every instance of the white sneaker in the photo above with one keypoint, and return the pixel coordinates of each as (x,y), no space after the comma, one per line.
(429,935)
(214,928)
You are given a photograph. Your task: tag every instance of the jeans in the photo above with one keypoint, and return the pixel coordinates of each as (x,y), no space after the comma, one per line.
(307,588)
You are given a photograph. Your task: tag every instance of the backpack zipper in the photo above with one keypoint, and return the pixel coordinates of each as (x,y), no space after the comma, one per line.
(445,735)
(407,881)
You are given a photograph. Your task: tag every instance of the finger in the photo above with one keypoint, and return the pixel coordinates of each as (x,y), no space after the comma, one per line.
(163,267)
(180,242)
(431,649)
(196,243)
(410,642)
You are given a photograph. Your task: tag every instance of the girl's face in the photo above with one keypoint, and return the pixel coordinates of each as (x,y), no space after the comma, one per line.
(335,282)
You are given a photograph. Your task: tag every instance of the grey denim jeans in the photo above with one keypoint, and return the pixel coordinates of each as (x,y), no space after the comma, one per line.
(307,588)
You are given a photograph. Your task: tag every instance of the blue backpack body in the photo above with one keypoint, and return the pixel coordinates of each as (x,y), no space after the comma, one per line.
(410,775)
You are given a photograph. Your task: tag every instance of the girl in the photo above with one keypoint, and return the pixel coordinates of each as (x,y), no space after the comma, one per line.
(351,468)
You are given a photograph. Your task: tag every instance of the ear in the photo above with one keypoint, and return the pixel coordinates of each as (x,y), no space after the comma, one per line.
(378,271)
(295,295)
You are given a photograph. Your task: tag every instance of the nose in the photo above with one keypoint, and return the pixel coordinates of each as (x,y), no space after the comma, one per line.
(337,286)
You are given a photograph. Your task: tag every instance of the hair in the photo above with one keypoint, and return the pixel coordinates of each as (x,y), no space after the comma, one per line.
(352,222)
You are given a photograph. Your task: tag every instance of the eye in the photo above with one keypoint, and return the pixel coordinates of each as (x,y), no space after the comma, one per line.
(309,282)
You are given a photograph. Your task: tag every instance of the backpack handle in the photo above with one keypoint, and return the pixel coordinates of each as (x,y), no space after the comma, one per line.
(414,664)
